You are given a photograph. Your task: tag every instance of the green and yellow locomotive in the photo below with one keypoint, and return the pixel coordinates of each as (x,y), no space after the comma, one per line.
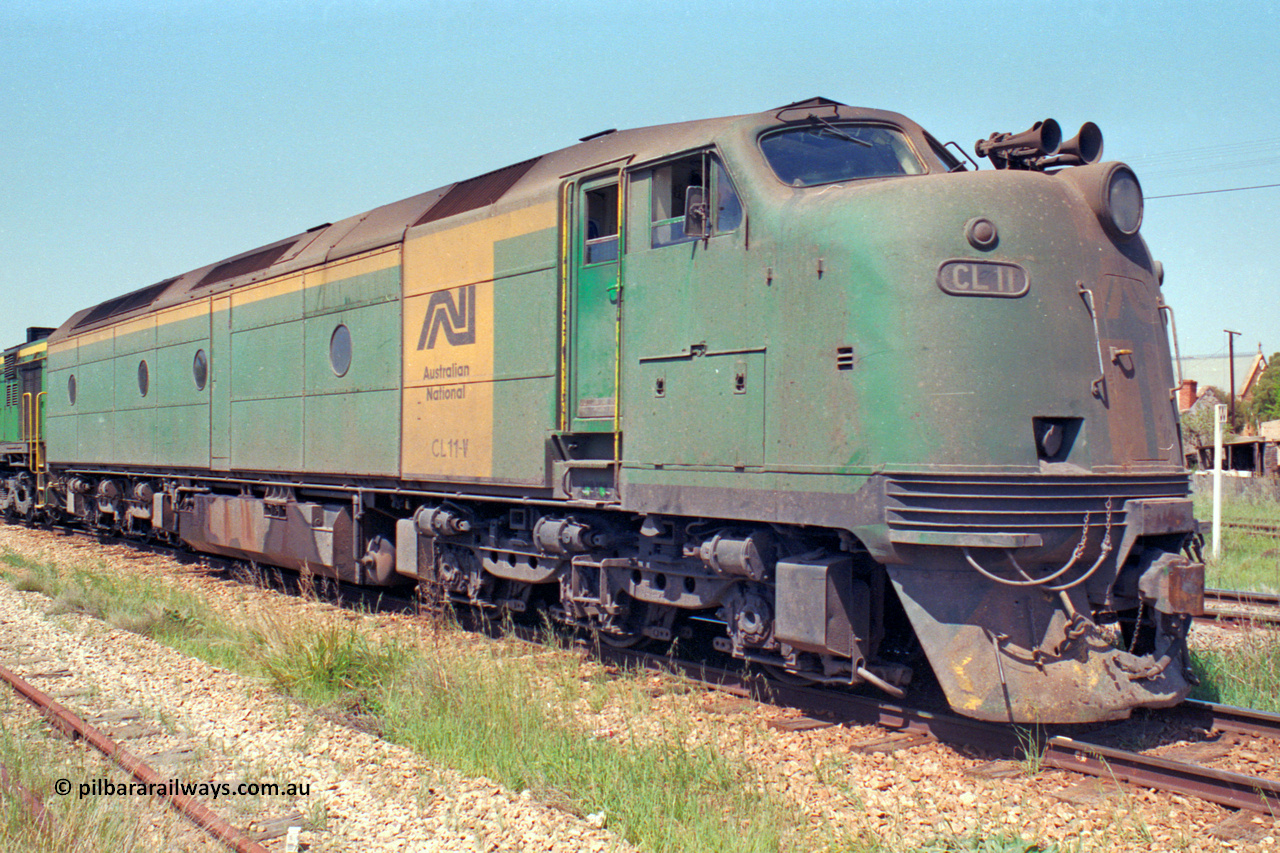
(800,377)
(22,465)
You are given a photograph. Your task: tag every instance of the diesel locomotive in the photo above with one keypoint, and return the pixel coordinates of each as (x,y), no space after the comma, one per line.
(802,379)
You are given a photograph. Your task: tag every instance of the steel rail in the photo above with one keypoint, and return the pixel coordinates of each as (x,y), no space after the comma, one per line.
(1223,599)
(190,807)
(1235,790)
(1256,528)
(1226,788)
(1242,596)
(1229,718)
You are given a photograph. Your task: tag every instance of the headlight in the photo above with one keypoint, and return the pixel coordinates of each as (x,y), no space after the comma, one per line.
(1122,208)
(1113,194)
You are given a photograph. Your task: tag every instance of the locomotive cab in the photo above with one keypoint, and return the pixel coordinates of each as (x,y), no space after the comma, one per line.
(984,354)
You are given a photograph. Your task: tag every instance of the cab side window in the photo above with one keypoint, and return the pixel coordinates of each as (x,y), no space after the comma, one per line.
(601,237)
(668,189)
(728,211)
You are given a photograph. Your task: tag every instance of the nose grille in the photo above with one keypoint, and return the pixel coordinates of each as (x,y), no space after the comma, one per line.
(1014,504)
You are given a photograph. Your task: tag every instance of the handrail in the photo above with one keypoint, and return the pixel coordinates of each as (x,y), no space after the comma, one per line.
(29,415)
(37,434)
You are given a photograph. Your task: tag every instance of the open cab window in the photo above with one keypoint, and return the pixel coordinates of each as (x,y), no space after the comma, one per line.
(670,198)
(825,153)
(601,235)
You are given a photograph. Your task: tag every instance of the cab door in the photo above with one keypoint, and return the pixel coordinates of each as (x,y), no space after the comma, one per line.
(594,291)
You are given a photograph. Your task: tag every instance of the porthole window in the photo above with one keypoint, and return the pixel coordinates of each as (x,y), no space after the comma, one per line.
(144,378)
(71,389)
(200,369)
(340,350)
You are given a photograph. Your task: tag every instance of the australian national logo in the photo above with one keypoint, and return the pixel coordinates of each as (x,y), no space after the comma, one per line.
(457,319)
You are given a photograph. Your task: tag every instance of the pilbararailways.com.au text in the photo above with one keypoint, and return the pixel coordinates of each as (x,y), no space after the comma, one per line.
(173,787)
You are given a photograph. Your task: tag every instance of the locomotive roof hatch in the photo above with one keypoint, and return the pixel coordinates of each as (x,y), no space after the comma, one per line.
(800,110)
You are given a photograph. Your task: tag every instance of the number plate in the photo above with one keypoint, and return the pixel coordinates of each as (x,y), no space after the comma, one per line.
(983,278)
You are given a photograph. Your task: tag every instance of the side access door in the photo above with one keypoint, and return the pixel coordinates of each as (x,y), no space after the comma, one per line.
(1136,383)
(591,333)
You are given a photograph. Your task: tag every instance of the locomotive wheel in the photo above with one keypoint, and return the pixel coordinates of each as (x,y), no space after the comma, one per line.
(781,674)
(621,641)
(629,632)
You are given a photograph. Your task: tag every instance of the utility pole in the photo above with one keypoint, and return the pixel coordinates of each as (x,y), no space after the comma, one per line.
(1231,362)
(1219,415)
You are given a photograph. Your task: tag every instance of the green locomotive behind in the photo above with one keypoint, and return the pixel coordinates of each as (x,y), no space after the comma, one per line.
(799,378)
(22,395)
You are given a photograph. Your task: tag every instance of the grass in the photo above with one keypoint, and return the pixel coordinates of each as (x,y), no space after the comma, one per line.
(75,824)
(521,716)
(1247,561)
(1244,674)
(134,603)
(499,710)
(481,707)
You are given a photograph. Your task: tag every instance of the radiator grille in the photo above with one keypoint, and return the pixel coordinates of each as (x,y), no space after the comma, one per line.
(1015,504)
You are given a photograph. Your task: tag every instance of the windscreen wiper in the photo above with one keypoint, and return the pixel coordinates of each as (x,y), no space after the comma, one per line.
(838,132)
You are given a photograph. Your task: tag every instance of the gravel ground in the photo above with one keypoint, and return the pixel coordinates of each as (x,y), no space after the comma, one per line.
(366,794)
(369,795)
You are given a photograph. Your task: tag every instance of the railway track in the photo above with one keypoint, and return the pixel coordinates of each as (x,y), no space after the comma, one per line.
(1241,606)
(1199,756)
(1184,769)
(74,726)
(1258,528)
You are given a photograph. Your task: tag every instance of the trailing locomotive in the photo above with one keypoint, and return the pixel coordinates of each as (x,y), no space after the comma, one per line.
(800,375)
(21,412)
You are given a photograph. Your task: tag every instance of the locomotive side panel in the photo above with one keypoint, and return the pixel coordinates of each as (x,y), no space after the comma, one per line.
(266,376)
(351,378)
(697,333)
(314,369)
(22,381)
(525,353)
(10,398)
(458,370)
(135,393)
(181,379)
(85,429)
(62,424)
(127,394)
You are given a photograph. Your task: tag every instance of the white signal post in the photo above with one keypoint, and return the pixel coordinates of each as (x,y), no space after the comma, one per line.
(1219,418)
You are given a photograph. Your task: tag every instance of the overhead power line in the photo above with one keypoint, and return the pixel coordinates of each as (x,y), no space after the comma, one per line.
(1210,192)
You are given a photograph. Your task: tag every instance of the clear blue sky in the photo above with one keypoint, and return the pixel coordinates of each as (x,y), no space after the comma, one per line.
(139,140)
